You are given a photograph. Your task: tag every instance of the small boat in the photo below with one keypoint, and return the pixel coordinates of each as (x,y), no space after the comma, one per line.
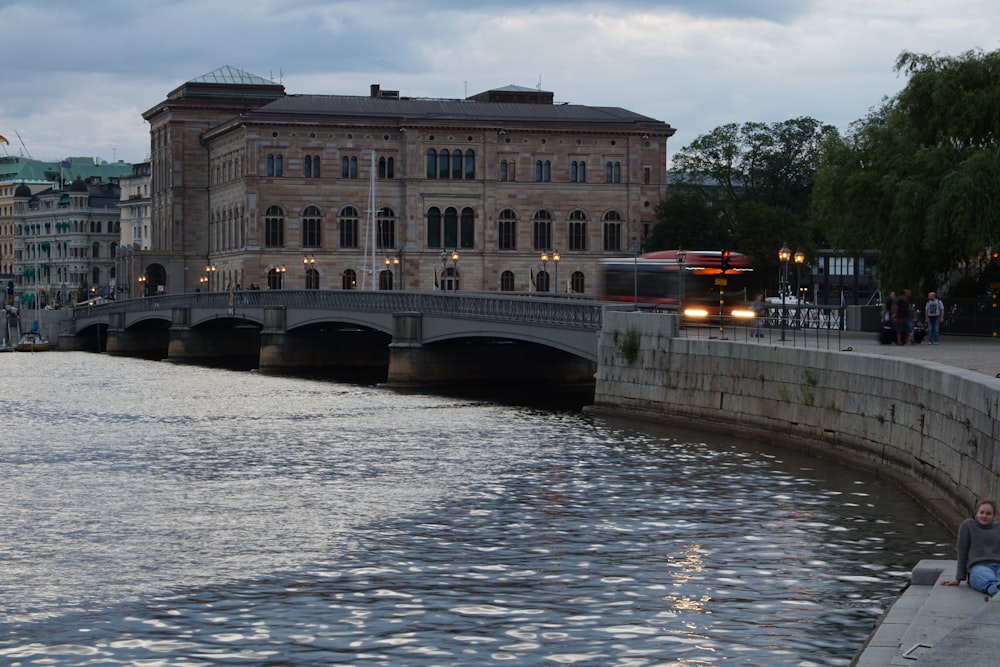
(32,341)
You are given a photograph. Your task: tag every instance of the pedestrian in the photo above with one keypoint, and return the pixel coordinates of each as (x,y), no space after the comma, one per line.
(903,318)
(979,551)
(760,312)
(933,311)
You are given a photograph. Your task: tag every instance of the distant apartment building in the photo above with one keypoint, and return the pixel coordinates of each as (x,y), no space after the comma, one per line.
(250,185)
(40,218)
(65,241)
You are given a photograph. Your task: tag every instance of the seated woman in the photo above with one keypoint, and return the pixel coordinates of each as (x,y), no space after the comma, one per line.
(979,551)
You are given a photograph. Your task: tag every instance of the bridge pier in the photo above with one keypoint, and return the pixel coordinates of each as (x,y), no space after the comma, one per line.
(227,347)
(143,344)
(477,361)
(319,351)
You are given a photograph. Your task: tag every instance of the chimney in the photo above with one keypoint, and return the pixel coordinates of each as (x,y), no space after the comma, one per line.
(375,90)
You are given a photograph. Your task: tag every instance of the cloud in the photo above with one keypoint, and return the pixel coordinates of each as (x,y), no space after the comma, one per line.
(86,72)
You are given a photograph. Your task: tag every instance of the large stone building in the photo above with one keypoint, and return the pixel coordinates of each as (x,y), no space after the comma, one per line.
(252,186)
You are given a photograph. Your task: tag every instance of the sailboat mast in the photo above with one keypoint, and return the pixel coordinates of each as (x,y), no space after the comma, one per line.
(372,214)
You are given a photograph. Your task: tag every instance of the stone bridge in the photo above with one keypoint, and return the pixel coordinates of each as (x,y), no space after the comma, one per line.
(415,337)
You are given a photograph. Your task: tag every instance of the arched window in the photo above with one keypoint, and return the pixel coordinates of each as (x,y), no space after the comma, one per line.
(431,163)
(312,224)
(385,279)
(349,279)
(541,230)
(612,231)
(507,281)
(577,230)
(386,232)
(507,230)
(443,163)
(467,230)
(274,227)
(349,227)
(386,167)
(312,279)
(456,165)
(577,283)
(433,227)
(451,227)
(95,250)
(470,164)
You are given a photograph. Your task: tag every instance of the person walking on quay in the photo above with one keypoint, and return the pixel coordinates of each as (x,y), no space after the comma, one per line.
(979,551)
(760,312)
(933,311)
(903,319)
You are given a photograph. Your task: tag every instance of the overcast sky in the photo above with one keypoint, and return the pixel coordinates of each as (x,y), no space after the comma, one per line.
(78,75)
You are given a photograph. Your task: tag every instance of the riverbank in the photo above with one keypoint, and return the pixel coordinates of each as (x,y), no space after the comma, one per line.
(925,416)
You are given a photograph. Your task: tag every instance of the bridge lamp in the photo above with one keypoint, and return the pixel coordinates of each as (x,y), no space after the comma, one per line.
(555,261)
(800,258)
(209,270)
(545,259)
(784,255)
(280,271)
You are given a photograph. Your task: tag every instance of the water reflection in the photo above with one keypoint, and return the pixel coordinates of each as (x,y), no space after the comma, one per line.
(181,516)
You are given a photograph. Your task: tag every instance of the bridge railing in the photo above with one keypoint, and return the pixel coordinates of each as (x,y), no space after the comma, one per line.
(585,314)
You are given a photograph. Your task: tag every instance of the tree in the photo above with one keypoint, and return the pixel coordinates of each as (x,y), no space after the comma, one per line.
(918,179)
(755,185)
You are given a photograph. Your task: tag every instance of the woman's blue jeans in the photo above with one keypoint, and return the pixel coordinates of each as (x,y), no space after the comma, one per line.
(985,578)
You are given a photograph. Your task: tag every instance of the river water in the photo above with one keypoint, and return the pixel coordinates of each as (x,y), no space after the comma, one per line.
(156,514)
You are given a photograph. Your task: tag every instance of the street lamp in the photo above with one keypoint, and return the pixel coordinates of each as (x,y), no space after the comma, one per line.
(544,275)
(784,255)
(454,261)
(799,258)
(308,265)
(209,271)
(280,271)
(555,261)
(142,284)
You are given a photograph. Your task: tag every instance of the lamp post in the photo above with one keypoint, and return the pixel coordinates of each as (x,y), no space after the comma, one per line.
(784,255)
(142,285)
(555,262)
(545,261)
(308,265)
(444,263)
(454,262)
(280,271)
(209,272)
(799,258)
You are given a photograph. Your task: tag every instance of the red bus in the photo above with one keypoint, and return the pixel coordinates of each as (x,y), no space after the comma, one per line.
(693,287)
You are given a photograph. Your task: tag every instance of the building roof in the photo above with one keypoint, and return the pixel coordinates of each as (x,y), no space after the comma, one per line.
(15,169)
(231,75)
(427,111)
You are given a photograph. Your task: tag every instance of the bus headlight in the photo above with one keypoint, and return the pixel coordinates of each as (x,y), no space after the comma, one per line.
(743,314)
(695,313)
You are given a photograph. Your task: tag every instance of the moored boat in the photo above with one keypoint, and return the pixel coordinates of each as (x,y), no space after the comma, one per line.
(32,341)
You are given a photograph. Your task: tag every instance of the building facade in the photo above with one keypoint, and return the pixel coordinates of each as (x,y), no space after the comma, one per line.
(65,241)
(503,191)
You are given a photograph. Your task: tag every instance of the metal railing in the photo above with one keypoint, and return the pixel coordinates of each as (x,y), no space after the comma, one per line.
(585,314)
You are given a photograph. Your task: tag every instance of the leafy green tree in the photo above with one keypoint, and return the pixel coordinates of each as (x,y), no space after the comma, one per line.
(755,185)
(919,178)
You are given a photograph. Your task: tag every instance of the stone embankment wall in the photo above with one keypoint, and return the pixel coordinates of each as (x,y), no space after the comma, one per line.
(933,428)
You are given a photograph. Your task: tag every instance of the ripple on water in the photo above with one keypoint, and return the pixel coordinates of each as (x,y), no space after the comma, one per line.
(173,515)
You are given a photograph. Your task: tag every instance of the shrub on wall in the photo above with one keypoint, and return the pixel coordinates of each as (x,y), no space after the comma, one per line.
(628,345)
